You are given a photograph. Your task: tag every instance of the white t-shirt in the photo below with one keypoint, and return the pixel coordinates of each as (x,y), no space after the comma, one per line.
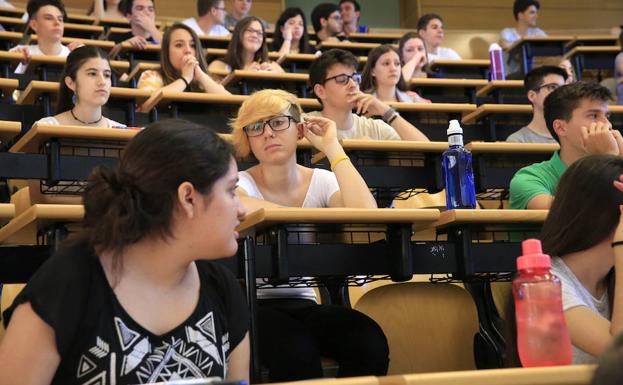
(35,50)
(52,121)
(574,294)
(443,53)
(511,35)
(216,30)
(322,186)
(365,128)
(6,4)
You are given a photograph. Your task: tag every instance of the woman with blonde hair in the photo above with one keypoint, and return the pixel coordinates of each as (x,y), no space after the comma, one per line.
(293,329)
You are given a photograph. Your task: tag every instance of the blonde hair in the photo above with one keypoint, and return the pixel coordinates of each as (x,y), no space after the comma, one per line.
(261,105)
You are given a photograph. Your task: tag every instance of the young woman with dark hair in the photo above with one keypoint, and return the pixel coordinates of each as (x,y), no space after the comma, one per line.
(183,65)
(584,235)
(106,9)
(291,33)
(413,56)
(136,298)
(247,49)
(382,77)
(84,88)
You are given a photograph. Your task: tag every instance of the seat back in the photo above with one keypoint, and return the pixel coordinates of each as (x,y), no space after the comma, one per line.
(429,327)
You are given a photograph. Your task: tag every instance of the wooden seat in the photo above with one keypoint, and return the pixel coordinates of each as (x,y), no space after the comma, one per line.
(429,327)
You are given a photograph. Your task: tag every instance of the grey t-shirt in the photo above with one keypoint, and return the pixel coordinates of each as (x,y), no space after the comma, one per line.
(526,135)
(574,294)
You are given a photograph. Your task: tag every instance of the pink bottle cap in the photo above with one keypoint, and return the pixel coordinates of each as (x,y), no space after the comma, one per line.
(533,257)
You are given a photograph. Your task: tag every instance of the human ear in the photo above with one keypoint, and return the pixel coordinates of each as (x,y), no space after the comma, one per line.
(185,198)
(531,96)
(70,83)
(319,91)
(560,127)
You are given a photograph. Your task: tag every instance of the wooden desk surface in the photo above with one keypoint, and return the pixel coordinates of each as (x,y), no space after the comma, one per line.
(9,129)
(7,210)
(605,39)
(304,57)
(393,145)
(453,217)
(42,214)
(10,35)
(40,133)
(36,87)
(8,85)
(508,147)
(552,375)
(498,84)
(540,39)
(8,20)
(266,217)
(139,68)
(583,49)
(463,108)
(67,26)
(347,44)
(16,12)
(437,82)
(460,63)
(38,60)
(488,109)
(236,75)
(151,48)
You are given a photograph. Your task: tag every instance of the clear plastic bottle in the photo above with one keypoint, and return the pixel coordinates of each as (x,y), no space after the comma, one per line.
(458,174)
(542,335)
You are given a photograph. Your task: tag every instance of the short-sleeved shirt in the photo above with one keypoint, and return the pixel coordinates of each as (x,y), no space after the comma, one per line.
(511,35)
(100,343)
(216,30)
(536,179)
(365,128)
(35,50)
(574,294)
(322,186)
(50,120)
(443,53)
(527,135)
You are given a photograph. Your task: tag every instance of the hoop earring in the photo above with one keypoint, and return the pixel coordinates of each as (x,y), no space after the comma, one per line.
(74,99)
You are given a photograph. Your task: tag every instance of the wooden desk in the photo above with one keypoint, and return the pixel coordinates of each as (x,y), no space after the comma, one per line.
(460,69)
(80,19)
(8,39)
(496,88)
(378,37)
(150,53)
(9,130)
(445,90)
(70,29)
(7,210)
(357,49)
(246,82)
(530,46)
(15,24)
(299,62)
(39,216)
(215,41)
(553,375)
(12,12)
(7,86)
(487,109)
(588,40)
(592,58)
(500,120)
(461,217)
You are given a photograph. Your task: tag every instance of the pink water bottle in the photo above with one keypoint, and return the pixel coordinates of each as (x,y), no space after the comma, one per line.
(496,57)
(542,335)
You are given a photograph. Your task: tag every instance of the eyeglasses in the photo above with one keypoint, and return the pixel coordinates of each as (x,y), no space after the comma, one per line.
(257,32)
(277,123)
(344,78)
(336,17)
(221,8)
(551,87)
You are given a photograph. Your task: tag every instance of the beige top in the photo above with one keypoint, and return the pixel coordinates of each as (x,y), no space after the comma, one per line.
(365,128)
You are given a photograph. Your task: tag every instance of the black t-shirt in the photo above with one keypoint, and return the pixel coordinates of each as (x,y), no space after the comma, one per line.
(99,343)
(120,38)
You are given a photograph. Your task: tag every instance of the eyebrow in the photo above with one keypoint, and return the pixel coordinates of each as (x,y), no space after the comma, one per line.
(96,69)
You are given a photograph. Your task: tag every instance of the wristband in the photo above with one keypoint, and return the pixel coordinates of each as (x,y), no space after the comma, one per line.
(616,243)
(388,114)
(185,82)
(338,160)
(391,120)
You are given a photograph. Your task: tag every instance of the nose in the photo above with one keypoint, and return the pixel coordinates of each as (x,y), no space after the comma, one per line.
(268,131)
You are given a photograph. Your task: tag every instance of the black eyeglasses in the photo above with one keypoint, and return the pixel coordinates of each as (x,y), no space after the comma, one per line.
(551,87)
(278,123)
(344,78)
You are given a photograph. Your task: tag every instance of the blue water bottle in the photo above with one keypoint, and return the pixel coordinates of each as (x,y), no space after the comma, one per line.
(457,167)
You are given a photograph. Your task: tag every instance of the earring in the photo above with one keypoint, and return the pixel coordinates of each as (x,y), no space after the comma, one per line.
(74,99)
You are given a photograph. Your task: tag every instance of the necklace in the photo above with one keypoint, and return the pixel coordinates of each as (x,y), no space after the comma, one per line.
(82,121)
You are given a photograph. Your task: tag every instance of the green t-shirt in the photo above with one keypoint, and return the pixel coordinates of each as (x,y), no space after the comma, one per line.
(537,179)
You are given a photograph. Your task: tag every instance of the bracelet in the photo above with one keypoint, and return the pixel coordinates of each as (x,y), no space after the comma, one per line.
(338,160)
(391,120)
(616,243)
(185,82)
(388,114)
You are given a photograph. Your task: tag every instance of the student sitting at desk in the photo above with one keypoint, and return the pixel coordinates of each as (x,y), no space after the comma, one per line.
(240,10)
(583,233)
(247,49)
(563,63)
(413,56)
(538,83)
(142,17)
(576,116)
(211,18)
(106,9)
(47,19)
(137,297)
(84,89)
(293,329)
(291,33)
(182,65)
(350,10)
(335,81)
(382,77)
(430,29)
(327,22)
